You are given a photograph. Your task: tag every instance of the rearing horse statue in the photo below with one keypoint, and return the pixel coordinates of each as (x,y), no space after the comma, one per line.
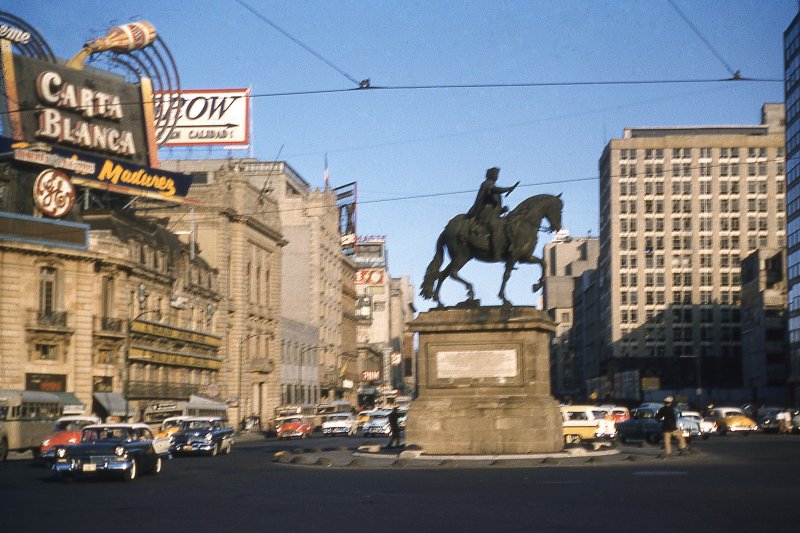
(521,227)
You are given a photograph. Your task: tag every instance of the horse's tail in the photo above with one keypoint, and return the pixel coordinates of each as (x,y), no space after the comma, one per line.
(432,272)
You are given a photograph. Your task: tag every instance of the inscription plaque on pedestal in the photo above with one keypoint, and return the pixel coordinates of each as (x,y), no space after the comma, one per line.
(476,364)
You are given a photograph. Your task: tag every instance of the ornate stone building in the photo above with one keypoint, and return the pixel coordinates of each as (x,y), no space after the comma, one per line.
(123,321)
(237,226)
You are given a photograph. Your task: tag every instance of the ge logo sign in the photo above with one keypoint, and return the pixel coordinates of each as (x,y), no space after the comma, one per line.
(53,193)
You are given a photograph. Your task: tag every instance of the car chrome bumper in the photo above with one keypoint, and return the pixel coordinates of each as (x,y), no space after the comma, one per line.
(336,430)
(71,466)
(194,447)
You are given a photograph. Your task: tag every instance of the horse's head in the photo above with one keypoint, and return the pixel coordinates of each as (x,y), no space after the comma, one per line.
(551,210)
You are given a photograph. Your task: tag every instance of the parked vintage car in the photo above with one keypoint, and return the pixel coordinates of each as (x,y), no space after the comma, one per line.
(340,424)
(643,425)
(768,422)
(365,416)
(734,420)
(619,413)
(707,427)
(66,430)
(586,423)
(378,424)
(126,450)
(203,434)
(170,426)
(295,426)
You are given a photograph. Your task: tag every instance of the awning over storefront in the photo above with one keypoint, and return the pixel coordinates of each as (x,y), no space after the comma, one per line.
(201,402)
(114,404)
(72,405)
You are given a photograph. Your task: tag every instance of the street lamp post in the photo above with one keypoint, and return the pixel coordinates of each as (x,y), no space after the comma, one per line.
(241,365)
(126,365)
(300,355)
(699,390)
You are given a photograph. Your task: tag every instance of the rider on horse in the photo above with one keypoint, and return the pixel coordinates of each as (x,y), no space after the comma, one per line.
(487,210)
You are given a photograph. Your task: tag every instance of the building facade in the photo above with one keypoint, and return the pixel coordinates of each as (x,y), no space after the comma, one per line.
(131,320)
(566,258)
(679,208)
(791,44)
(765,357)
(310,280)
(238,230)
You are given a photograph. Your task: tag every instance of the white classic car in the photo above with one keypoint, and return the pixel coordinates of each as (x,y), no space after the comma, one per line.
(340,423)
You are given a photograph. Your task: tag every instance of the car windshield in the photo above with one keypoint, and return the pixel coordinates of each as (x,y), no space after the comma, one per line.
(292,420)
(339,417)
(112,434)
(197,424)
(71,425)
(732,412)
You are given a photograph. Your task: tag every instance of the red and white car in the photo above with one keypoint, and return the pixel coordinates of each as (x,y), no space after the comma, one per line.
(295,426)
(66,431)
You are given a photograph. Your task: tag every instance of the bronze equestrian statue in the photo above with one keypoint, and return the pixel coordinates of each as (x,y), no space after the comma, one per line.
(486,234)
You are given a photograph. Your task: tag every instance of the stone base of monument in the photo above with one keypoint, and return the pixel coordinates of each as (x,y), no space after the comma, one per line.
(484,383)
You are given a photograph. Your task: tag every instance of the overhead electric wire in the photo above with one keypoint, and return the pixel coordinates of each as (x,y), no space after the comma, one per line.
(297,41)
(734,73)
(481,86)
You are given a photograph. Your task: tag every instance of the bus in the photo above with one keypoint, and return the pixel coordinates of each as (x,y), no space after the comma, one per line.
(157,412)
(26,418)
(324,410)
(282,411)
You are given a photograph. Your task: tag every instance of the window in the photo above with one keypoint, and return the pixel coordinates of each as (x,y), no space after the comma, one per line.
(46,352)
(47,290)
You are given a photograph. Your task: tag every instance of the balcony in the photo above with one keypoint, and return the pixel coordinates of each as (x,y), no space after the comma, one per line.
(156,390)
(48,321)
(261,365)
(109,327)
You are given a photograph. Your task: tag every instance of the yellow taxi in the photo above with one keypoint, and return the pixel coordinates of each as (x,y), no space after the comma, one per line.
(586,423)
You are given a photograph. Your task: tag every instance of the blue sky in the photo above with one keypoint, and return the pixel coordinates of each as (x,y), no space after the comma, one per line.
(398,144)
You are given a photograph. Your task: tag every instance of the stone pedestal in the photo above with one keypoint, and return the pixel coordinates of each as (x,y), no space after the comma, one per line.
(484,383)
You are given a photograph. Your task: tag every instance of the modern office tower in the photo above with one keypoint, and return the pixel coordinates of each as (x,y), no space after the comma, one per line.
(791,43)
(679,208)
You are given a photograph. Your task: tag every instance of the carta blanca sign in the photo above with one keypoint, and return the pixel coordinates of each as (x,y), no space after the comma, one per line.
(87,170)
(84,110)
(208,117)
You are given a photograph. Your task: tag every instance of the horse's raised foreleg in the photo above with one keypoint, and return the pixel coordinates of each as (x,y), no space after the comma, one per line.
(506,276)
(533,260)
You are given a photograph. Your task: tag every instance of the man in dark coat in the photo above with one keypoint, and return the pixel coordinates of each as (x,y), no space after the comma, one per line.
(394,426)
(669,426)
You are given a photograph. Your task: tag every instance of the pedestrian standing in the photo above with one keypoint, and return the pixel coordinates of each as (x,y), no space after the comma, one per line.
(394,427)
(669,426)
(784,419)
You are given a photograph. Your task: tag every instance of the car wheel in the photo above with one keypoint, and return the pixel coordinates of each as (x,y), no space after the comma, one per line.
(622,439)
(215,450)
(132,472)
(159,464)
(705,436)
(3,450)
(653,438)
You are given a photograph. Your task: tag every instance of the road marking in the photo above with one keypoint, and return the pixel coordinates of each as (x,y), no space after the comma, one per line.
(661,473)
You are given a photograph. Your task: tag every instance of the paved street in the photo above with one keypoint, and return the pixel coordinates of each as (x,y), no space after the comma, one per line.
(731,483)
